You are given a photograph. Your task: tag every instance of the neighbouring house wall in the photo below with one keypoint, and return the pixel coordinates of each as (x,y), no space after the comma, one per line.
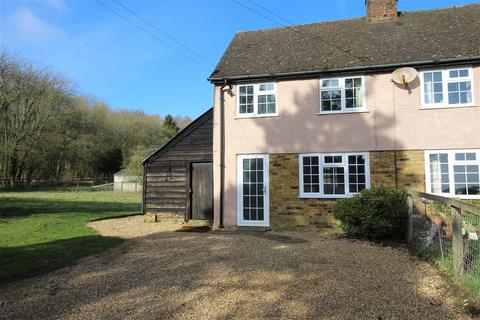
(394,121)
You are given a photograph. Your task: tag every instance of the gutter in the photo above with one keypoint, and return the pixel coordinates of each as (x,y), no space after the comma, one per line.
(371,68)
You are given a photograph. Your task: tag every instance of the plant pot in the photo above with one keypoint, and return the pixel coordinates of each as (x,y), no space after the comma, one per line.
(438,220)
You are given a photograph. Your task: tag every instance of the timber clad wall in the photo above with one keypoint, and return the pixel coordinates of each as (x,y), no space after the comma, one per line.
(167,171)
(288,212)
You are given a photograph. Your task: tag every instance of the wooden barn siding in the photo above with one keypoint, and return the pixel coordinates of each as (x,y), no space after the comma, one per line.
(167,175)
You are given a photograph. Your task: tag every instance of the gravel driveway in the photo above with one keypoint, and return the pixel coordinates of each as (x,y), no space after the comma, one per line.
(227,275)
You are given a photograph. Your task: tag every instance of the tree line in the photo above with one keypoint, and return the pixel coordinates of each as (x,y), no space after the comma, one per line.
(50,133)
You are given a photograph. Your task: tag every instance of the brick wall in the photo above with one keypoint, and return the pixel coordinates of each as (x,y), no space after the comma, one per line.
(288,212)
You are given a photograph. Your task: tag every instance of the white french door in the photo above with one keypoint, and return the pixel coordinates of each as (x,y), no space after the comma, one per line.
(252,190)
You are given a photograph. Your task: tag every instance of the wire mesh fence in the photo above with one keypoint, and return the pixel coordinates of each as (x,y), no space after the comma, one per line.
(447,231)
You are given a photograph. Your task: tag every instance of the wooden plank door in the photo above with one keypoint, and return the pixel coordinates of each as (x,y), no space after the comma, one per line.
(202,191)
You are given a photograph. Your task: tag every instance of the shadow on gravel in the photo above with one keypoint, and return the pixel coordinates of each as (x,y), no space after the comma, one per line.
(275,237)
(49,256)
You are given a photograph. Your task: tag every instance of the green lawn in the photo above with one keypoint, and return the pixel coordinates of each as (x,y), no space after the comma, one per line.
(40,231)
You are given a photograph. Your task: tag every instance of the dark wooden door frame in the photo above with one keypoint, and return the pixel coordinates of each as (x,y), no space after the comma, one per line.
(189,191)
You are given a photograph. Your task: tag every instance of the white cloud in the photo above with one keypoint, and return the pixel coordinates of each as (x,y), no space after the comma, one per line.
(29,27)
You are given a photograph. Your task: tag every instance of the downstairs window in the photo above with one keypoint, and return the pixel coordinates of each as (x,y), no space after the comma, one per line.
(327,175)
(453,173)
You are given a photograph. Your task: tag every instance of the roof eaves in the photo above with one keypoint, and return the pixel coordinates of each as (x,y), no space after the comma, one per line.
(311,73)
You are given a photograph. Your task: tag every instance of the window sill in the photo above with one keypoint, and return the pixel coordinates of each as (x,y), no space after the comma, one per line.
(448,107)
(325,197)
(273,115)
(342,112)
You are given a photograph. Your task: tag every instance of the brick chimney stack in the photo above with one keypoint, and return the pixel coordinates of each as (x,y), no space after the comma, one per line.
(381,9)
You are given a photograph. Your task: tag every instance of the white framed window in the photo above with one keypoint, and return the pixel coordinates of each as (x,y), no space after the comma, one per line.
(345,94)
(257,100)
(453,173)
(333,175)
(447,88)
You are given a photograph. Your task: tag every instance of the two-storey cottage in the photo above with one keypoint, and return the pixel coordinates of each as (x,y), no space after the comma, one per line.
(307,114)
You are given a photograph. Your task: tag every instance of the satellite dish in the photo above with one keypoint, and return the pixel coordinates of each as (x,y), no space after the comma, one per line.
(404,75)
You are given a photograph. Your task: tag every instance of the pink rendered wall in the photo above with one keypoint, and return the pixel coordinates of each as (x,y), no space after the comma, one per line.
(394,120)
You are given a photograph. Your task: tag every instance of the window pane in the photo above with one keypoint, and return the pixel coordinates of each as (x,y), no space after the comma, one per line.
(470,156)
(334,180)
(465,97)
(466,179)
(438,98)
(465,85)
(353,93)
(271,108)
(310,175)
(453,98)
(433,88)
(459,156)
(461,189)
(453,73)
(330,83)
(439,173)
(331,100)
(463,73)
(459,92)
(356,165)
(262,108)
(453,87)
(246,99)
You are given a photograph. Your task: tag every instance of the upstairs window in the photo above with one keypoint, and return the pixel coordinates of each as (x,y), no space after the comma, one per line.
(337,175)
(453,173)
(342,95)
(257,100)
(447,88)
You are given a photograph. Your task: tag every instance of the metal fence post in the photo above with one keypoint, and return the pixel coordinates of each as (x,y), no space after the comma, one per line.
(410,218)
(457,240)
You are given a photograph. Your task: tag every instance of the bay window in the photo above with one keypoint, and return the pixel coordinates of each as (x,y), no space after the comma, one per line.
(339,175)
(453,173)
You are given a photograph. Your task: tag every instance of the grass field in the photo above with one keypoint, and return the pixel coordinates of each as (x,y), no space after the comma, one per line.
(41,231)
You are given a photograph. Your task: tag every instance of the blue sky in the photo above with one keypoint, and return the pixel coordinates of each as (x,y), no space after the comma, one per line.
(106,57)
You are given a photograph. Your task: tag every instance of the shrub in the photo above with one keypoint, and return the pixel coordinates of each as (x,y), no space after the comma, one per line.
(377,213)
